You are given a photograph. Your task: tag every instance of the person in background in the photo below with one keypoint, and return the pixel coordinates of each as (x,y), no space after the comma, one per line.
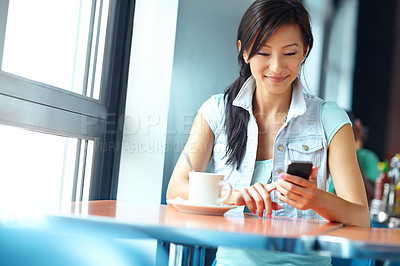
(263,120)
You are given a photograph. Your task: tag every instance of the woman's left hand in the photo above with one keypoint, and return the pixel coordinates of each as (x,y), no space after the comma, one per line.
(296,191)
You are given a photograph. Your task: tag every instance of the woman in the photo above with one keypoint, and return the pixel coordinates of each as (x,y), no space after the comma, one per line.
(263,120)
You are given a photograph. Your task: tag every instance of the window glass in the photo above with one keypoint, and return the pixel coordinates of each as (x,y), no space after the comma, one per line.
(53,87)
(59,43)
(45,170)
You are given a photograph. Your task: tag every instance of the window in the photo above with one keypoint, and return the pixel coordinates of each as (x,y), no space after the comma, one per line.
(59,43)
(62,86)
(43,169)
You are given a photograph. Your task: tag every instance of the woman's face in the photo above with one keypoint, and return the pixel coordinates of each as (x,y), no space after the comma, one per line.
(278,62)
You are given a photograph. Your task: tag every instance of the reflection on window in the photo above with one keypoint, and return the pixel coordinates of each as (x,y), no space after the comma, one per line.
(60,43)
(43,170)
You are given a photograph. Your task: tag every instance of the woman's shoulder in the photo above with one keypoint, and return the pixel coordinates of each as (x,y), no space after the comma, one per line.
(333,118)
(312,98)
(216,99)
(213,110)
(215,103)
(331,110)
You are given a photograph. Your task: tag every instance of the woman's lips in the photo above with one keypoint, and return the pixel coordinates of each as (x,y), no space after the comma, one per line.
(276,78)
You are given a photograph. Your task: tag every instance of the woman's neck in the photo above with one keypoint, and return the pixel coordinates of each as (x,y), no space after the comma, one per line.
(267,104)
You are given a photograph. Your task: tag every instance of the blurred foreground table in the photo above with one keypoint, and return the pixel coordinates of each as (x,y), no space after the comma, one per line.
(360,242)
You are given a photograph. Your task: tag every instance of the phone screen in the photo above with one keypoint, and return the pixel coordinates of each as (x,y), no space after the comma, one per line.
(300,168)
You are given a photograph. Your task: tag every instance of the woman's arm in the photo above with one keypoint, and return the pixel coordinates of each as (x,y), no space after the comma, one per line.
(199,147)
(350,205)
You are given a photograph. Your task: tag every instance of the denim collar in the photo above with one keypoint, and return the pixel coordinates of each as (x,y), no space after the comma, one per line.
(244,98)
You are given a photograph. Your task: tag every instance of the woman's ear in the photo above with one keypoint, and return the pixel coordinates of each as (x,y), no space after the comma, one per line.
(245,56)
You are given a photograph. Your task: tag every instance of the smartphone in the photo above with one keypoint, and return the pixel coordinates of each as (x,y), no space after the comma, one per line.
(300,168)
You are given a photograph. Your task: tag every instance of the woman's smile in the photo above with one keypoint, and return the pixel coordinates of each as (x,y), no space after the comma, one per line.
(276,78)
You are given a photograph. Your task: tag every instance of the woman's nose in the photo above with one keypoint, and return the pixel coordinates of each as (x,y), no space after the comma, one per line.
(276,64)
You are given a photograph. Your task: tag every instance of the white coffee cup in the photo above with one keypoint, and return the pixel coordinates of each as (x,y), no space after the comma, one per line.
(205,188)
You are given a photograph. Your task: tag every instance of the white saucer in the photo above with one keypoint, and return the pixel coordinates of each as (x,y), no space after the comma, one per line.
(184,206)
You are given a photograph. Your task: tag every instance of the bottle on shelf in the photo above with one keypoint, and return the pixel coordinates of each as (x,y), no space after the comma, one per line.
(379,204)
(396,207)
(395,172)
(383,178)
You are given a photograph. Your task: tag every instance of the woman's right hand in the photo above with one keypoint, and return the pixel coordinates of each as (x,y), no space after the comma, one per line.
(256,197)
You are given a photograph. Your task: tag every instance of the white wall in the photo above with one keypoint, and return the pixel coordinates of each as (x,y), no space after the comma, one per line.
(142,155)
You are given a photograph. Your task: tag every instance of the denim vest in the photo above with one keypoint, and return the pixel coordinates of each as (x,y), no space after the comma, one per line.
(301,137)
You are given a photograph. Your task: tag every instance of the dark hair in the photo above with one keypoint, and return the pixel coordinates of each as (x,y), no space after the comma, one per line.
(259,22)
(360,131)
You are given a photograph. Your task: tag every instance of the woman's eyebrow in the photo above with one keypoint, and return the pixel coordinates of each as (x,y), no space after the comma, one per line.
(285,46)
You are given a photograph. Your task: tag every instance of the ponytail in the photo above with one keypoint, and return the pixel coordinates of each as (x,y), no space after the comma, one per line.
(236,120)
